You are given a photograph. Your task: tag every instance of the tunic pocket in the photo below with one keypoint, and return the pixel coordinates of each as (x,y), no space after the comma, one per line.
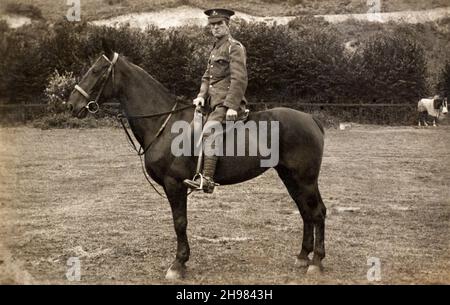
(220,66)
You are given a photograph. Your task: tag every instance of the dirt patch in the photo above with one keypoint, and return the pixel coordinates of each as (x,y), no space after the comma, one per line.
(186,15)
(15,21)
(81,193)
(406,16)
(177,17)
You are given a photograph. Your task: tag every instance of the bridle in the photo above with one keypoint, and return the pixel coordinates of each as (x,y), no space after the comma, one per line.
(93,107)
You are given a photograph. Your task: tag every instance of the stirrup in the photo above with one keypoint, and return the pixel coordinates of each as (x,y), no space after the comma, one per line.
(207,187)
(191,183)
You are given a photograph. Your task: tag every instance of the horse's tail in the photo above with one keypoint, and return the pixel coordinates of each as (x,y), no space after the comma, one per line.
(319,124)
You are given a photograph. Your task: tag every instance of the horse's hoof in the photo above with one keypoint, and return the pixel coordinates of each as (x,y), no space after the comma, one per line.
(313,270)
(302,262)
(174,274)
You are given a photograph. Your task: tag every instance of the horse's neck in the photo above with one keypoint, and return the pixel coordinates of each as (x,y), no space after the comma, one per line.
(140,94)
(143,93)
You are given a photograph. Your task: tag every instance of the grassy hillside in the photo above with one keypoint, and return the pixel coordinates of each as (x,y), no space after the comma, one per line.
(95,9)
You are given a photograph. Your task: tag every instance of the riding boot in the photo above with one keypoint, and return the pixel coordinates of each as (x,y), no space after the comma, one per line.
(209,168)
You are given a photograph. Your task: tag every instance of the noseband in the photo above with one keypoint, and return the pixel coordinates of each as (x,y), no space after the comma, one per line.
(92,106)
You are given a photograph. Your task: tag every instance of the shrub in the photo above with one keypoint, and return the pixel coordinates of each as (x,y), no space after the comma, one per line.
(302,60)
(25,68)
(265,46)
(27,10)
(58,90)
(443,86)
(390,66)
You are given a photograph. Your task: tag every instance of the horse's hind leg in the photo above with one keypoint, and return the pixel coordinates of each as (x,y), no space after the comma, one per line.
(313,211)
(319,212)
(177,195)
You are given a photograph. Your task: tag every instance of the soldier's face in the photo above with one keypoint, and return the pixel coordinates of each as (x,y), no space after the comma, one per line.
(219,29)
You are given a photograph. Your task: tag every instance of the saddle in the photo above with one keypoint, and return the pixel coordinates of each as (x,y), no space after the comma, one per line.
(243,116)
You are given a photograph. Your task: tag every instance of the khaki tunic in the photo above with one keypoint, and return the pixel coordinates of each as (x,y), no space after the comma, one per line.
(225,79)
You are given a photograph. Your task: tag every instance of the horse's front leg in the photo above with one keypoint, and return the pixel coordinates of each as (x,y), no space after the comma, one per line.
(177,194)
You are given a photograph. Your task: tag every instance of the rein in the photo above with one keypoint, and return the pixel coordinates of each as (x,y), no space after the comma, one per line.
(93,107)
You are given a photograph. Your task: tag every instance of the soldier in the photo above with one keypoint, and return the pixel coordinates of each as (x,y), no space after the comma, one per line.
(223,87)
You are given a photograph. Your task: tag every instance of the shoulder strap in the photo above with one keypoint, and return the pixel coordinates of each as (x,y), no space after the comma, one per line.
(232,40)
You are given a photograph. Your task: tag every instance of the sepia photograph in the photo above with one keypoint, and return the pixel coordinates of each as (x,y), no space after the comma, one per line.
(201,142)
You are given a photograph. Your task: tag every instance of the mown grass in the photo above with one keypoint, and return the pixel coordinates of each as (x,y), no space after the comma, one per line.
(81,192)
(98,9)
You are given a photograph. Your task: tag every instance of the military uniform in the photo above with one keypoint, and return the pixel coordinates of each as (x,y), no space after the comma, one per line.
(223,87)
(225,79)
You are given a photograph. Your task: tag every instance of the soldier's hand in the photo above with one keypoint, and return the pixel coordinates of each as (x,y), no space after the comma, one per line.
(231,114)
(199,101)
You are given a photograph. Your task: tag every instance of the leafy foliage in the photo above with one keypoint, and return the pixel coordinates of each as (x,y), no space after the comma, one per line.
(304,60)
(444,81)
(58,90)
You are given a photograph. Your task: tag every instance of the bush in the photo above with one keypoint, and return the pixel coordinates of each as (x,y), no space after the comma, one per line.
(27,10)
(302,60)
(264,45)
(58,90)
(390,66)
(443,86)
(25,68)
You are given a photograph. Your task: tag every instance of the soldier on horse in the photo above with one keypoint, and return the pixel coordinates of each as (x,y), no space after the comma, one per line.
(223,87)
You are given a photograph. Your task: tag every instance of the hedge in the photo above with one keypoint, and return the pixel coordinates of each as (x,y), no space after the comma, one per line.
(305,59)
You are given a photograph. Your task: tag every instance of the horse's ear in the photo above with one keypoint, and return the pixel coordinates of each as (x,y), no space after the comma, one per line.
(106,45)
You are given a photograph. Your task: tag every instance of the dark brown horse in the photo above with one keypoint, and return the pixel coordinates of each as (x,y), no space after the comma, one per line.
(301,143)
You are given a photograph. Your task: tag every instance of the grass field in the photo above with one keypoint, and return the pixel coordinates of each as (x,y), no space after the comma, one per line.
(66,193)
(97,9)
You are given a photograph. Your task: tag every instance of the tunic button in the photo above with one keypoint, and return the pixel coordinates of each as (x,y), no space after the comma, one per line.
(212,66)
(210,85)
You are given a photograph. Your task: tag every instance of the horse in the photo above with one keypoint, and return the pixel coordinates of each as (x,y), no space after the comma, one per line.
(151,110)
(431,107)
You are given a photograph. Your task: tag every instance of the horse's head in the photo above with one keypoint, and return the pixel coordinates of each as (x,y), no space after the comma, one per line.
(97,82)
(441,104)
(444,106)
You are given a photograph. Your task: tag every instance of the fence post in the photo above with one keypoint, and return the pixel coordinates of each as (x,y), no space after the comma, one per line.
(394,111)
(360,112)
(23,117)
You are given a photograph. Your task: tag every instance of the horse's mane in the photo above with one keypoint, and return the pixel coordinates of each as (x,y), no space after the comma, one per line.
(150,79)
